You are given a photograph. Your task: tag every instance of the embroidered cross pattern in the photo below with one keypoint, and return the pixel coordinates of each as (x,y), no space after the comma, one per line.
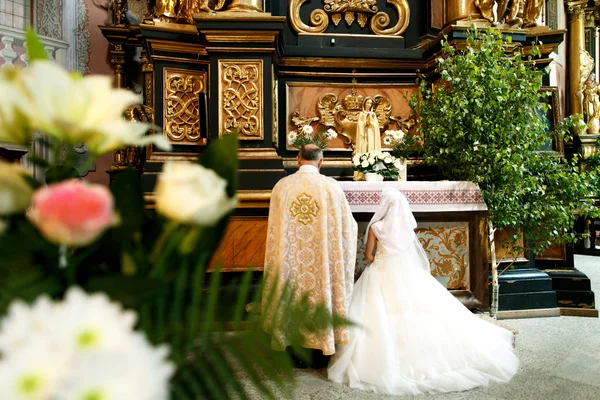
(304,208)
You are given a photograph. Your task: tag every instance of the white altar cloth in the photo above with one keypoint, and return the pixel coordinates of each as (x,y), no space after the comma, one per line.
(423,196)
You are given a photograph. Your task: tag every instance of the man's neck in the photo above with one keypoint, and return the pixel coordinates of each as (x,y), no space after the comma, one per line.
(308,168)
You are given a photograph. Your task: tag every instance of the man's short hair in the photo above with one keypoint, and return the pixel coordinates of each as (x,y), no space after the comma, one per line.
(311,152)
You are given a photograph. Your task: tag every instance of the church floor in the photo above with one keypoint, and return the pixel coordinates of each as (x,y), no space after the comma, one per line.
(560,359)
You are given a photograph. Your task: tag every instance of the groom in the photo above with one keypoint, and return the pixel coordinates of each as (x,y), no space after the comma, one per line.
(311,243)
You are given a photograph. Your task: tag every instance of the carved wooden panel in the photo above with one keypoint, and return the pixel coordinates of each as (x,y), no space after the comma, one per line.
(243,245)
(337,106)
(181,115)
(241,98)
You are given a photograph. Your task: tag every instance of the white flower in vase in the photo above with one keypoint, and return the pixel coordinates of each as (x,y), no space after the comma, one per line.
(398,164)
(389,132)
(398,135)
(372,160)
(292,137)
(365,164)
(331,134)
(356,161)
(388,160)
(387,140)
(307,130)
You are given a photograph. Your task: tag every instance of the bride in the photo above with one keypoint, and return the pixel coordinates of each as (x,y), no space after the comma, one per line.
(413,336)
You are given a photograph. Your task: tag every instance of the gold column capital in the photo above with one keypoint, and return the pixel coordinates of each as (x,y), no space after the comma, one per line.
(576,8)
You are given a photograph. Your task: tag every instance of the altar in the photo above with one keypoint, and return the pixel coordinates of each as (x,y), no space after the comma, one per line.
(451,225)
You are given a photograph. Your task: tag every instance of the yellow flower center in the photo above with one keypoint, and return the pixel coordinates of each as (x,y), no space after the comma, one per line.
(95,394)
(29,384)
(87,338)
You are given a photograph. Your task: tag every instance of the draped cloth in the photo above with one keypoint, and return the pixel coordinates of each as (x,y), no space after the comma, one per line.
(311,243)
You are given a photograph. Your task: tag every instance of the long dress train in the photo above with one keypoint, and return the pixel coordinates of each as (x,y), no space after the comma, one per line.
(414,336)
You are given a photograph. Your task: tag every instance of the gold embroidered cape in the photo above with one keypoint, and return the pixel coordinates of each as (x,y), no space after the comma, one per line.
(311,242)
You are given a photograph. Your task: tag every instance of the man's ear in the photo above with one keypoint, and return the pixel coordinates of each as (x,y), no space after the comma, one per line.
(320,163)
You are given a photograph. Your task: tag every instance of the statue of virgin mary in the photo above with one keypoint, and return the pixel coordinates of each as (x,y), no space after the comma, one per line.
(368,137)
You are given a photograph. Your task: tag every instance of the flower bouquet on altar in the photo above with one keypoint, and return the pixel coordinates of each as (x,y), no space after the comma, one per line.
(307,135)
(101,298)
(377,166)
(403,145)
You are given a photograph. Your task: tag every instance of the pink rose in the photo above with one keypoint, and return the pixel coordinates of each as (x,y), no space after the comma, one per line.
(72,213)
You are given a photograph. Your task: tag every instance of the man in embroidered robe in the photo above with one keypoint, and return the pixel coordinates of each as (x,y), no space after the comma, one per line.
(311,243)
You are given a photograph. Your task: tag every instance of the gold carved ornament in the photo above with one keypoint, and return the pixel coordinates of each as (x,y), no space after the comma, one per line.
(359,10)
(241,98)
(343,115)
(181,112)
(130,156)
(304,209)
(512,13)
(182,11)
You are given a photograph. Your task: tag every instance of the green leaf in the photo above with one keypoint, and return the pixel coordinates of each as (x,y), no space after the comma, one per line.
(35,48)
(58,173)
(129,202)
(221,156)
(131,291)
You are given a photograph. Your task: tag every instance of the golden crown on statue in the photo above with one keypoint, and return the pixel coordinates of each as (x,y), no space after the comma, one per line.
(353,101)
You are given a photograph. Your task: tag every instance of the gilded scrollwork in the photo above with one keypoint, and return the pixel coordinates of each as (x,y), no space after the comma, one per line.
(241,98)
(130,156)
(447,245)
(181,112)
(351,10)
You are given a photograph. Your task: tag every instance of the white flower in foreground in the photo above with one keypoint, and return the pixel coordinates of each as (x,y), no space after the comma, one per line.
(22,321)
(75,109)
(82,348)
(32,373)
(307,130)
(15,192)
(205,193)
(14,126)
(91,323)
(142,374)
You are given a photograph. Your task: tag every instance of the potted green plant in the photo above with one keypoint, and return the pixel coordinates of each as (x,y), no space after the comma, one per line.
(482,121)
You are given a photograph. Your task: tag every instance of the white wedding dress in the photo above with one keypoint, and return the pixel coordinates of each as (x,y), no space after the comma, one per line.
(414,336)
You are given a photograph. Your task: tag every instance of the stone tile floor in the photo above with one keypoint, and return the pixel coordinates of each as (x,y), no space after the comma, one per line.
(560,360)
